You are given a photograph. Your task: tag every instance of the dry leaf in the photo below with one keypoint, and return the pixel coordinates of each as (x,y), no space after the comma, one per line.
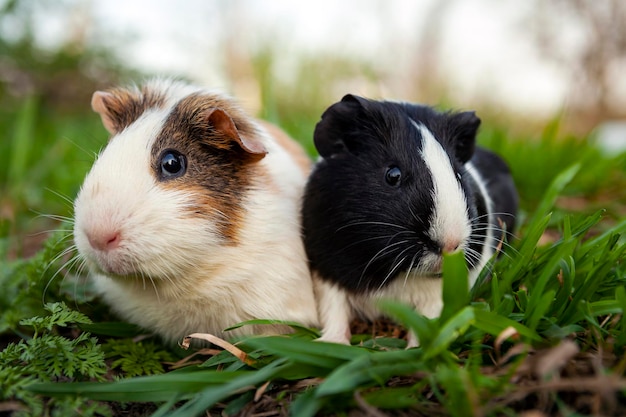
(234,350)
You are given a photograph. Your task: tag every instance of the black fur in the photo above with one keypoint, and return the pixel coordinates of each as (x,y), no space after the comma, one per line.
(359,231)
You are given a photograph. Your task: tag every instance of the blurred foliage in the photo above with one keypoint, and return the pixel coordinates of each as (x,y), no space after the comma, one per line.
(297,103)
(62,76)
(592,66)
(49,133)
(536,158)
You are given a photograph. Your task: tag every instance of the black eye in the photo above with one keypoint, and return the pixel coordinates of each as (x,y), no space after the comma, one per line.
(393,176)
(173,164)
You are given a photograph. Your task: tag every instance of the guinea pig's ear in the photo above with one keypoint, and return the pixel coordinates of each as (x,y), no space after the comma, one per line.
(108,106)
(464,127)
(222,122)
(352,98)
(331,134)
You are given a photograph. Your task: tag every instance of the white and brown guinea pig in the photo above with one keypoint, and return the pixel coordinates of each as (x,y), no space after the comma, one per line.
(398,185)
(189,220)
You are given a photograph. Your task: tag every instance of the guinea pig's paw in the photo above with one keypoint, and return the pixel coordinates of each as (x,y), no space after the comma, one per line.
(341,339)
(412,340)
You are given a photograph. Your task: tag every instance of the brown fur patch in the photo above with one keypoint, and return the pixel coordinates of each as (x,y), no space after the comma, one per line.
(291,146)
(124,106)
(219,172)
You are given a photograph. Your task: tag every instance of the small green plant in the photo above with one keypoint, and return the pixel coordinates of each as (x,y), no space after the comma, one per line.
(49,356)
(136,358)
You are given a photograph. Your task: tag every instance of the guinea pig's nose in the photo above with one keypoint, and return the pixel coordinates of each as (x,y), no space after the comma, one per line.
(104,240)
(451,246)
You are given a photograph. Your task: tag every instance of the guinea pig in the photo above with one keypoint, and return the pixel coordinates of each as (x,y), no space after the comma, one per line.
(189,220)
(396,186)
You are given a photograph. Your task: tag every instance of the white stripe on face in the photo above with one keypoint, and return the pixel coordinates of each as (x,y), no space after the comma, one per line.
(449,225)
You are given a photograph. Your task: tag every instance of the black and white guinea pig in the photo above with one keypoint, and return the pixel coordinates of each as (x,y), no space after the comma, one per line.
(396,186)
(189,220)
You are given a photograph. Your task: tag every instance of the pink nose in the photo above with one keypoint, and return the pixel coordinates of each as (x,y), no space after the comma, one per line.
(104,240)
(450,246)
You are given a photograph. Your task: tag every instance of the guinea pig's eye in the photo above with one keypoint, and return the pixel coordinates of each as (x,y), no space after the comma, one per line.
(173,164)
(393,176)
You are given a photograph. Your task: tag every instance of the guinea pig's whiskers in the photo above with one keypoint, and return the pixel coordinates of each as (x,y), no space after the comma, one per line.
(484,220)
(166,272)
(66,265)
(480,229)
(65,234)
(55,217)
(156,290)
(363,223)
(80,271)
(500,247)
(68,200)
(388,237)
(398,234)
(82,268)
(502,214)
(60,255)
(497,246)
(483,228)
(411,266)
(143,276)
(473,257)
(395,265)
(384,251)
(416,217)
(143,279)
(391,273)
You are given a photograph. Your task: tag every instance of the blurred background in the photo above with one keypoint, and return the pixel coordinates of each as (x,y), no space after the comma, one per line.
(537,71)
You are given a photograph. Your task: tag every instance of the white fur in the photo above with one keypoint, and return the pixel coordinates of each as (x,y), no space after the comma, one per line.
(450,224)
(335,311)
(337,307)
(177,276)
(488,249)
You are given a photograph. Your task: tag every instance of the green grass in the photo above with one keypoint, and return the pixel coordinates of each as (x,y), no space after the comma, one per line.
(495,349)
(572,289)
(46,153)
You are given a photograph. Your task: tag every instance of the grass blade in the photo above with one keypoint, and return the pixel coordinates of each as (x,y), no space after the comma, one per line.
(307,404)
(494,324)
(22,144)
(210,396)
(423,327)
(320,354)
(620,299)
(450,331)
(294,325)
(392,398)
(374,368)
(553,192)
(150,388)
(455,285)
